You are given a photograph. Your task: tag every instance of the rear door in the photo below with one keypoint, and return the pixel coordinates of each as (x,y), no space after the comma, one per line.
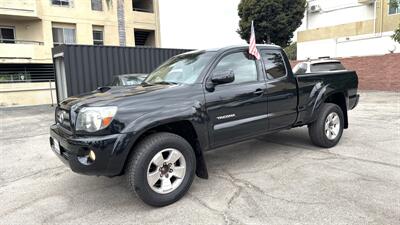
(237,110)
(281,90)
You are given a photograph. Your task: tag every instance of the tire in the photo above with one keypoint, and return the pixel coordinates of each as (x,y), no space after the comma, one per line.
(318,129)
(147,163)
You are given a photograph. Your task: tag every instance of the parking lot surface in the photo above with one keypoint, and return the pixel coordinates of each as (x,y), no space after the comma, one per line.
(276,179)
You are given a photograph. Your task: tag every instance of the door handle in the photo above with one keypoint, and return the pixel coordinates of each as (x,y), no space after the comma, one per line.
(259,92)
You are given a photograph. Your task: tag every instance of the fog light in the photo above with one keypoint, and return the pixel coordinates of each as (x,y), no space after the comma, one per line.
(92,156)
(87,159)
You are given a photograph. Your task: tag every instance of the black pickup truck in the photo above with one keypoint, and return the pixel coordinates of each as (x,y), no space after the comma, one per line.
(156,133)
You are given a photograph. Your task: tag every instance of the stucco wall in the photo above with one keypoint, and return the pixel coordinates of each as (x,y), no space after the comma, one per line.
(363,45)
(23,94)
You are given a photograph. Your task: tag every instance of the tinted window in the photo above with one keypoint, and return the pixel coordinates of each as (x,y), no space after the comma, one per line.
(185,68)
(241,64)
(61,2)
(324,67)
(274,65)
(97,5)
(7,35)
(63,36)
(394,9)
(98,37)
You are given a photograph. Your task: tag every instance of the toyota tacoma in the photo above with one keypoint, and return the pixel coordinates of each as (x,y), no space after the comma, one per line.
(156,133)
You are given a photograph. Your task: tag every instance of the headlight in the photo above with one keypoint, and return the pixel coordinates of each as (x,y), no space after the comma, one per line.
(92,119)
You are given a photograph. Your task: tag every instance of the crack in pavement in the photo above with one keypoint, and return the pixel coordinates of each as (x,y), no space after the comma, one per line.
(31,175)
(228,219)
(335,154)
(22,137)
(251,186)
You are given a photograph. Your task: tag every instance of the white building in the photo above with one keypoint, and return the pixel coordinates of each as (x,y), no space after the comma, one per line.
(345,28)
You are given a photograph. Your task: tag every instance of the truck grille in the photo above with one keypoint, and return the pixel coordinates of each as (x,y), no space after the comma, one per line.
(63,118)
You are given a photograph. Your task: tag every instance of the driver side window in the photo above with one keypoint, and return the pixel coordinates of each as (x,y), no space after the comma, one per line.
(243,66)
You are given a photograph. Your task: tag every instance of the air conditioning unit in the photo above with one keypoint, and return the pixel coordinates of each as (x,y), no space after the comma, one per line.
(366,2)
(314,7)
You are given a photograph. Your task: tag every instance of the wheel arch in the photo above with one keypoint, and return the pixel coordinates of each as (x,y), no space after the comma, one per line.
(339,98)
(182,128)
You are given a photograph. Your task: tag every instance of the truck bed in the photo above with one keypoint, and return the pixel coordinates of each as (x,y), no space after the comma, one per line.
(312,88)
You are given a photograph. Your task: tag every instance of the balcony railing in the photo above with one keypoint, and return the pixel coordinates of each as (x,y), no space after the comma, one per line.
(18,41)
(21,8)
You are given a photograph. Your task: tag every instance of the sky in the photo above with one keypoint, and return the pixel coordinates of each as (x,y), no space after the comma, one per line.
(199,24)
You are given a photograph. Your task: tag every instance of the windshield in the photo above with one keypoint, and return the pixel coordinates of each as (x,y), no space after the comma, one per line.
(182,69)
(128,80)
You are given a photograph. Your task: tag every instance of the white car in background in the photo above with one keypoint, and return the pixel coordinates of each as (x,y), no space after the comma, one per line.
(317,66)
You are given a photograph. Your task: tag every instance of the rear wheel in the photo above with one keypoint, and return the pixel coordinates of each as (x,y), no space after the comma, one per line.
(162,168)
(327,130)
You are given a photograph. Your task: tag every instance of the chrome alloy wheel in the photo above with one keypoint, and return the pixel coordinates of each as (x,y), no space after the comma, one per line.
(332,126)
(166,171)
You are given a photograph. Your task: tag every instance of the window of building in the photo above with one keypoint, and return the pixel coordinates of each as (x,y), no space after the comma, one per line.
(274,65)
(97,5)
(98,36)
(7,35)
(394,7)
(64,36)
(242,65)
(143,5)
(145,38)
(67,3)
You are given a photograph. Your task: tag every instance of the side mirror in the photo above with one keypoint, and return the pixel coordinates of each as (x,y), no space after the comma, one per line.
(223,77)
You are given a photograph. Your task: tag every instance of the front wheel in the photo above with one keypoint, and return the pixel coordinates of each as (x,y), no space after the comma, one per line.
(162,169)
(327,130)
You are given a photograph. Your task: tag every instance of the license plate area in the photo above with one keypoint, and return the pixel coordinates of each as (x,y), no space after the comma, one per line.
(56,146)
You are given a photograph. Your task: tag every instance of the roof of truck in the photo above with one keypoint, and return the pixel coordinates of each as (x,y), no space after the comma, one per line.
(226,48)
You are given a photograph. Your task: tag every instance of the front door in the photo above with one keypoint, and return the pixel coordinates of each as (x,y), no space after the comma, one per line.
(237,110)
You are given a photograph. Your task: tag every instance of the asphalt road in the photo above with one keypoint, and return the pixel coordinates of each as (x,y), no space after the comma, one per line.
(276,179)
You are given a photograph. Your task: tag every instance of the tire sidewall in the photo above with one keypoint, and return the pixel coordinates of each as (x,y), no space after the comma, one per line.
(141,186)
(328,110)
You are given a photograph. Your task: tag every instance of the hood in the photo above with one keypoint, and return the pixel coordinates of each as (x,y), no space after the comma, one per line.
(116,96)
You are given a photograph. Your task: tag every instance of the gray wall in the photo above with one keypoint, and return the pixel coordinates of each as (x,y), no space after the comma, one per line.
(88,67)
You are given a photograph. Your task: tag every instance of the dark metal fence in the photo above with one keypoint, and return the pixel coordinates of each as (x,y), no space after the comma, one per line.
(81,68)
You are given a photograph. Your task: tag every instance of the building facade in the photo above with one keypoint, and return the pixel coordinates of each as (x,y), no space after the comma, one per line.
(30,28)
(348,28)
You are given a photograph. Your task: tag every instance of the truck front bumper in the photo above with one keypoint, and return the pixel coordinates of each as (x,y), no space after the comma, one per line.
(110,152)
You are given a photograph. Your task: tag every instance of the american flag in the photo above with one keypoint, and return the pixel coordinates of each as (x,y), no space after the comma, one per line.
(253,48)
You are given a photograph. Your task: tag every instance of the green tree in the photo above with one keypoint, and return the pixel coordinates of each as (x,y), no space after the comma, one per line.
(274,20)
(396,35)
(291,51)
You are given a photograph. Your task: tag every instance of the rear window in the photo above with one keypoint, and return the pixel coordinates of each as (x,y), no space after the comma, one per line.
(324,67)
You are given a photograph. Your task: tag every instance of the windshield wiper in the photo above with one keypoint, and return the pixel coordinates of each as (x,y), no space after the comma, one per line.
(144,83)
(165,82)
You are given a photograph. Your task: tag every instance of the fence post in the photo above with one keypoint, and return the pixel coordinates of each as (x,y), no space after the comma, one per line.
(51,94)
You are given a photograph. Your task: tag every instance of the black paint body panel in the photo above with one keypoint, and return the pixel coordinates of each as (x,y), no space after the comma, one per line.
(224,115)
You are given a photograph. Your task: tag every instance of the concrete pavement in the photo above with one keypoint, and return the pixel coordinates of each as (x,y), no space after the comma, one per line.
(276,179)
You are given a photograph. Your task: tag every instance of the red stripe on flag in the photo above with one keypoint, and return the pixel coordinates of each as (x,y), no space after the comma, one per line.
(253,46)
